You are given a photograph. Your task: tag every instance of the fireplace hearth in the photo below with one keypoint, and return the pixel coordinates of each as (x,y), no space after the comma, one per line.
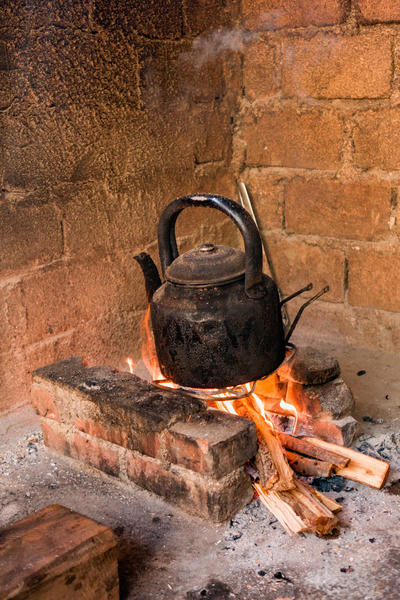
(183,448)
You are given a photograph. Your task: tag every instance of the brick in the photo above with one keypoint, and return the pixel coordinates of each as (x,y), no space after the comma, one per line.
(214,443)
(266,193)
(198,495)
(328,66)
(259,70)
(14,389)
(213,140)
(43,403)
(310,366)
(55,436)
(297,263)
(149,18)
(341,210)
(287,138)
(115,435)
(63,13)
(121,399)
(370,280)
(95,453)
(86,226)
(51,287)
(377,139)
(30,234)
(206,15)
(12,317)
(145,442)
(92,288)
(378,11)
(260,15)
(171,74)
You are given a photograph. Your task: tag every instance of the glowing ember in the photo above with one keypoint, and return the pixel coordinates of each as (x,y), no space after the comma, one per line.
(131,364)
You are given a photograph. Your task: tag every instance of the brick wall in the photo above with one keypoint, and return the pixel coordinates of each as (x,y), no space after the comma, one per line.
(105,120)
(317,141)
(108,114)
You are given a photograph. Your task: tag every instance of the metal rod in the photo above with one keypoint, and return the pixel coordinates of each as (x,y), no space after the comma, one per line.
(304,289)
(300,312)
(246,204)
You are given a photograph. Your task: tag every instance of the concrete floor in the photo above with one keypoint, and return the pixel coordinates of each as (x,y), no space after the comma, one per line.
(166,554)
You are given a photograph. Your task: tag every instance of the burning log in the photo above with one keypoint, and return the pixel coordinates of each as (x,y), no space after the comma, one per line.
(271,461)
(310,467)
(361,467)
(267,472)
(309,447)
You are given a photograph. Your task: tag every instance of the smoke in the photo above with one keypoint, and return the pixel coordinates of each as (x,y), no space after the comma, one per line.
(214,43)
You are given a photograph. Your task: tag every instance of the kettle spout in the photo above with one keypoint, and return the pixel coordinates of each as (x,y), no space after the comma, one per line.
(150,272)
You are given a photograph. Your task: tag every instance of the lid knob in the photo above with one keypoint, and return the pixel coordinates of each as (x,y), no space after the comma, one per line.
(207,248)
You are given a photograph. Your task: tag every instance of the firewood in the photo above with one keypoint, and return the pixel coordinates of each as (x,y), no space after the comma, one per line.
(282,511)
(284,479)
(313,512)
(361,467)
(299,509)
(310,467)
(308,447)
(330,503)
(267,471)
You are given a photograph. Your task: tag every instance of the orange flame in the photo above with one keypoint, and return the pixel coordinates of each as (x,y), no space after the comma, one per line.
(149,355)
(131,364)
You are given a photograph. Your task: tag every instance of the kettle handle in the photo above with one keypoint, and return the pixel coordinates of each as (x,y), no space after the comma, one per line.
(251,237)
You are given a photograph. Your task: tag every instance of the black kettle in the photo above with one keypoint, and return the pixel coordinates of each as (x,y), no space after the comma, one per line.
(217,318)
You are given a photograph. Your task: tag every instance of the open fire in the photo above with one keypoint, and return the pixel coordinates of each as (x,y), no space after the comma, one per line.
(297,505)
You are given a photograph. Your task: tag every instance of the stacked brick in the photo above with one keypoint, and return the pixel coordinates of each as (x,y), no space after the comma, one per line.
(317,141)
(166,442)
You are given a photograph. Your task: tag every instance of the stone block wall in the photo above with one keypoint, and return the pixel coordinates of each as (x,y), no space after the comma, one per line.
(109,110)
(106,117)
(316,140)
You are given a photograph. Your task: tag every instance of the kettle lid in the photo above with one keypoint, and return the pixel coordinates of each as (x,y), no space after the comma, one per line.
(207,265)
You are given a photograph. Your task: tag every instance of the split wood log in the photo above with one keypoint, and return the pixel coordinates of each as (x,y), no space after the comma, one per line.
(300,509)
(285,514)
(308,447)
(330,503)
(267,472)
(361,467)
(283,477)
(313,512)
(310,467)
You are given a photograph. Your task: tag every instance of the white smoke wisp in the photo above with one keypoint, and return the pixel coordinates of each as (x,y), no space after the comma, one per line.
(214,43)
